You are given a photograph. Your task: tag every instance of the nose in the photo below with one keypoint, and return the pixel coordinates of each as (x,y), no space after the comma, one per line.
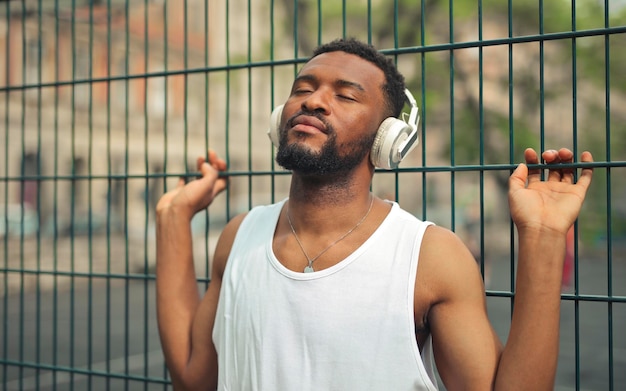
(318,101)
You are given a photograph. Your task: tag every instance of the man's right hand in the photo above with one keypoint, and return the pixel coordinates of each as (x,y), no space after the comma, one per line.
(190,198)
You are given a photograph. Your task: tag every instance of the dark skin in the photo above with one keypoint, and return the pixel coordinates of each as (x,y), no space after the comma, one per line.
(332,204)
(346,90)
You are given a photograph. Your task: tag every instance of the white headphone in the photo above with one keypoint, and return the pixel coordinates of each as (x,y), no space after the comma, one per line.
(395,137)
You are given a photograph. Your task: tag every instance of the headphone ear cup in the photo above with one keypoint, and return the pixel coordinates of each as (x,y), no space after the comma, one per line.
(274,129)
(385,151)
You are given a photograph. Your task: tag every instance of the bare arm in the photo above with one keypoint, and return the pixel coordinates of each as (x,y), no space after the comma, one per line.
(469,356)
(465,345)
(200,370)
(543,211)
(178,300)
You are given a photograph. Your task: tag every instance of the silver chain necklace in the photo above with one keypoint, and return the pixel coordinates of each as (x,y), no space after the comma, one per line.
(309,268)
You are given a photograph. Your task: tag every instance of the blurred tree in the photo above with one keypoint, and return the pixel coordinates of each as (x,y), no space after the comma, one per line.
(548,91)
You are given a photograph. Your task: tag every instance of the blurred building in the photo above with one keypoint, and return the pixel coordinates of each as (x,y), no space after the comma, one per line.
(101,99)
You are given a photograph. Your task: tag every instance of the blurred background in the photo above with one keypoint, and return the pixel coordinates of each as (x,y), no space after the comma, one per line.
(104,104)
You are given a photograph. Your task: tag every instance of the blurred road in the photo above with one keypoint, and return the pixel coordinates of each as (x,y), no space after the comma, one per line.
(85,331)
(112,329)
(595,325)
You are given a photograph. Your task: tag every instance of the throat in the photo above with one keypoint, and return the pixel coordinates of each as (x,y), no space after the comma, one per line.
(323,190)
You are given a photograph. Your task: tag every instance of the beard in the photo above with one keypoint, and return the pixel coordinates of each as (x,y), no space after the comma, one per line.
(328,161)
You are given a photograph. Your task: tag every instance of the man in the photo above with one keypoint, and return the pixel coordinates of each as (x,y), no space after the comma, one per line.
(323,290)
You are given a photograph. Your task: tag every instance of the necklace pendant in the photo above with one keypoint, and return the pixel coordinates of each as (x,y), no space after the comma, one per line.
(308,269)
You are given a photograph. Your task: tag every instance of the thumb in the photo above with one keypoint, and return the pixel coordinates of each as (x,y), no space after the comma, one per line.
(211,175)
(518,178)
(220,185)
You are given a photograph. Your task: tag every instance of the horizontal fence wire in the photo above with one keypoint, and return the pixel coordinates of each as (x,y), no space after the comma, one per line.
(252,172)
(296,61)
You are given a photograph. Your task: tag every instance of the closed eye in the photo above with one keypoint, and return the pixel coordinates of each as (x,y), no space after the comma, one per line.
(346,97)
(302,91)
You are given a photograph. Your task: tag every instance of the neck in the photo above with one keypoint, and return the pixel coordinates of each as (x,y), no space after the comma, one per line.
(327,209)
(326,191)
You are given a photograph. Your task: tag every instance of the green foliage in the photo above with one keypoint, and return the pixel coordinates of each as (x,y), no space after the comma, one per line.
(597,62)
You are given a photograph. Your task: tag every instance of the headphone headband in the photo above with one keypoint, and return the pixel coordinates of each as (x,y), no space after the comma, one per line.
(414,118)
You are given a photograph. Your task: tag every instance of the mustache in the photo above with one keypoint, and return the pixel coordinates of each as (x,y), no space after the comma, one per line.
(316,114)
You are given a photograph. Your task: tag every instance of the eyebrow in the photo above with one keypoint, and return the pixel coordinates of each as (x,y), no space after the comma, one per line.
(339,83)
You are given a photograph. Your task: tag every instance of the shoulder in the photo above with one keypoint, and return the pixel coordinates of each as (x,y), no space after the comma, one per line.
(447,269)
(264,213)
(225,243)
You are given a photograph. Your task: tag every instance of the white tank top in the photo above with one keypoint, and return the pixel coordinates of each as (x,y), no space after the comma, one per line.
(347,327)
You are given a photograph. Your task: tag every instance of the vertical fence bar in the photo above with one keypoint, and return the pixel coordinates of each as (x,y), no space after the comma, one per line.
(165,163)
(396,45)
(207,225)
(148,174)
(39,182)
(424,113)
(21,322)
(90,254)
(5,222)
(296,42)
(369,23)
(272,54)
(574,133)
(127,191)
(55,209)
(452,119)
(481,126)
(609,211)
(150,82)
(344,18)
(249,103)
(109,201)
(186,85)
(73,196)
(542,86)
(319,22)
(227,97)
(511,148)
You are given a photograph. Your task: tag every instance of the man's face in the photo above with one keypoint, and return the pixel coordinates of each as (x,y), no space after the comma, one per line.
(331,117)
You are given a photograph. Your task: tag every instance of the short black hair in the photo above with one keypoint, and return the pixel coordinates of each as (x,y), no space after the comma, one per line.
(394,86)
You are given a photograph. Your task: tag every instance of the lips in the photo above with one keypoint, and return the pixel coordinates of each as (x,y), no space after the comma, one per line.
(308,123)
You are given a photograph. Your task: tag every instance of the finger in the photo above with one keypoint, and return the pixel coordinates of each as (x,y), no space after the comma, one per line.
(566,156)
(552,156)
(530,155)
(531,158)
(585,177)
(181,182)
(211,155)
(211,170)
(199,162)
(221,165)
(207,171)
(218,163)
(567,175)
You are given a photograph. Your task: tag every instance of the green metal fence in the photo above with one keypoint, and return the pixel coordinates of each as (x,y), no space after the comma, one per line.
(104,104)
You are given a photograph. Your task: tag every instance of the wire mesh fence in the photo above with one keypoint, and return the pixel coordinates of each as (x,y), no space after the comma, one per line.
(104,104)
